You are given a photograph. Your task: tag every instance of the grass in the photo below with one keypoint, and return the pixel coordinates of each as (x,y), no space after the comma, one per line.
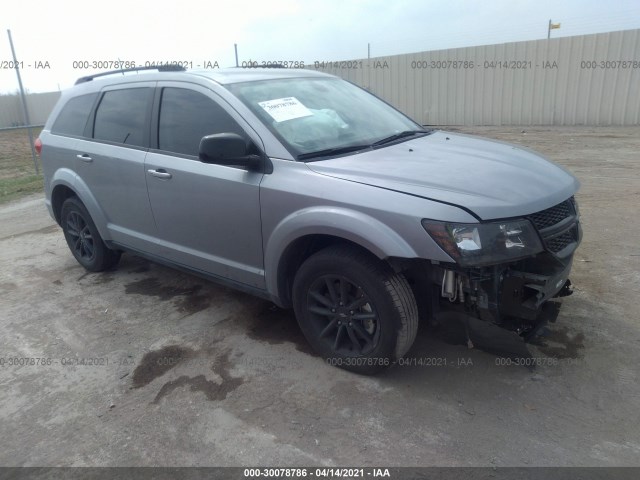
(17,174)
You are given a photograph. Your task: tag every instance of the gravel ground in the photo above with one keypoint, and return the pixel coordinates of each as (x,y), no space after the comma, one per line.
(147,366)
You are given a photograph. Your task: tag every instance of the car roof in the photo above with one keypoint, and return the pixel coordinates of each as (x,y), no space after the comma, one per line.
(222,76)
(237,75)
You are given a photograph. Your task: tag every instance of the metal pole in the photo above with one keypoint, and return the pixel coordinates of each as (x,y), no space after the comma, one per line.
(369,65)
(549,30)
(235,47)
(24,104)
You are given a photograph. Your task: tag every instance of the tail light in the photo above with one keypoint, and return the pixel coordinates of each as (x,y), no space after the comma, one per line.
(38,145)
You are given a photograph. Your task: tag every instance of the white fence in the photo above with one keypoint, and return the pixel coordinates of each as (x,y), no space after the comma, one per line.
(581,80)
(38,104)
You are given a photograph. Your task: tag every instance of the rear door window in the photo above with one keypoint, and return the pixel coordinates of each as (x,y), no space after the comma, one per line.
(122,117)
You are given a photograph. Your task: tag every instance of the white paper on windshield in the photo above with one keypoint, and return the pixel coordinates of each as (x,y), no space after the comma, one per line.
(282,109)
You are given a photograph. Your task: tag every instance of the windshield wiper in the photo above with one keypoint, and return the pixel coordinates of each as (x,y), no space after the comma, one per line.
(332,151)
(352,148)
(398,136)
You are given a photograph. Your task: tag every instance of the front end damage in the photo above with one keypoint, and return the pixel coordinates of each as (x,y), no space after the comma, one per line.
(520,295)
(517,297)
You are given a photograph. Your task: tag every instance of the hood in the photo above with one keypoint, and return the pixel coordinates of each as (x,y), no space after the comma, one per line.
(490,178)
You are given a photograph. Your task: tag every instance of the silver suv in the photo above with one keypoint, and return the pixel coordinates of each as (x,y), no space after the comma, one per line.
(308,191)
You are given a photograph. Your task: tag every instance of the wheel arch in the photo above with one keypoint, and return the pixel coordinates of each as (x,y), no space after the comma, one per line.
(67,184)
(300,235)
(58,195)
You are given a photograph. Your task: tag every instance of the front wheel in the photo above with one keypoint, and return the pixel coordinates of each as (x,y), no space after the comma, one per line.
(83,238)
(354,310)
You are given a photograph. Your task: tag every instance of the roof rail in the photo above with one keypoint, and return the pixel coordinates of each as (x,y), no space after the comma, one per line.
(171,67)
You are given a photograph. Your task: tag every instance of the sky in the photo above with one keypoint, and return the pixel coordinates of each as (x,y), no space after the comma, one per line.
(54,35)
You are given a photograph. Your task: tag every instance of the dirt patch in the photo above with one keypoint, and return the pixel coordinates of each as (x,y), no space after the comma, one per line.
(17,173)
(8,286)
(39,231)
(102,278)
(452,329)
(563,343)
(193,304)
(16,151)
(277,326)
(213,391)
(190,302)
(157,363)
(141,269)
(135,264)
(152,287)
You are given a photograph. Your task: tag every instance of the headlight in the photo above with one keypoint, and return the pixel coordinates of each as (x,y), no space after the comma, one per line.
(475,244)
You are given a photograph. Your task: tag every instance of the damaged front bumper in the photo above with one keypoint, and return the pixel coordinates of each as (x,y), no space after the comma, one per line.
(519,296)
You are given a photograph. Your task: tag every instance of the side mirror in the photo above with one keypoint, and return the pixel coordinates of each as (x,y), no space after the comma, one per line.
(227,149)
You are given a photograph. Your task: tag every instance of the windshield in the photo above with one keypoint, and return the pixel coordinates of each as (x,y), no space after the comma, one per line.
(317,117)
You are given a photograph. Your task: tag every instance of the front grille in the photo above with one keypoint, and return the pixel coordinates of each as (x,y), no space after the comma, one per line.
(561,241)
(558,238)
(553,215)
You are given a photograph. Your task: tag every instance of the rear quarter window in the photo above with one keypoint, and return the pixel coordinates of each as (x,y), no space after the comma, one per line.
(73,117)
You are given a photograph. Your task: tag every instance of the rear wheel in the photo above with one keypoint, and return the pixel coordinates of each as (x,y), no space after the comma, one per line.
(83,238)
(354,310)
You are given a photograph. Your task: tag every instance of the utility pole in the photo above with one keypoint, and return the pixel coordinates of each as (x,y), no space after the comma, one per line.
(551,27)
(25,111)
(369,66)
(235,47)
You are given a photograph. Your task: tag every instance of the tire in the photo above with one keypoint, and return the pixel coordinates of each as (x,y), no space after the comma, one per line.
(83,238)
(375,324)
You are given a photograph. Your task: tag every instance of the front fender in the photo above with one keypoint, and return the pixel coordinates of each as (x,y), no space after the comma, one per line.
(68,178)
(351,225)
